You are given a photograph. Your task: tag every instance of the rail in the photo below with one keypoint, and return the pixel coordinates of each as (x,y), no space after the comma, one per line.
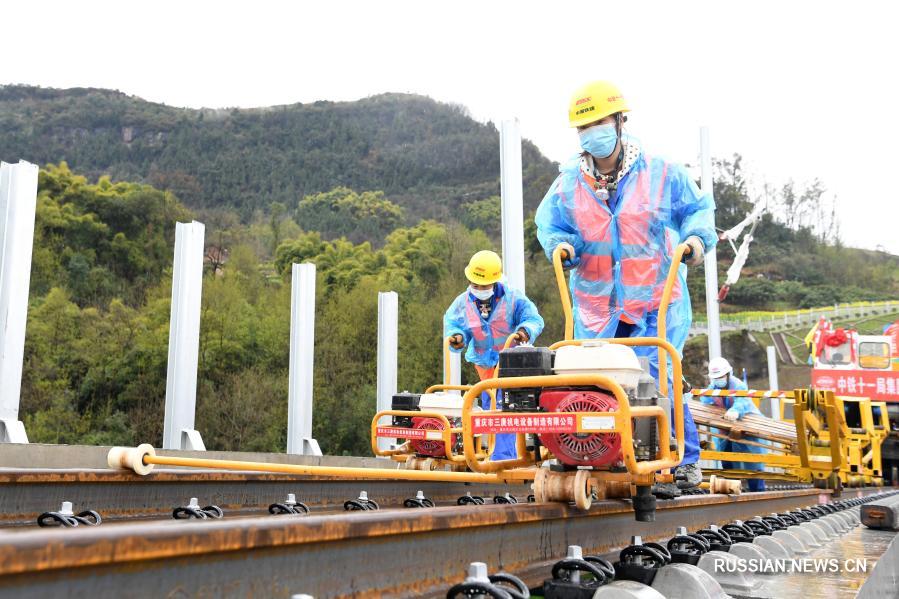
(391,552)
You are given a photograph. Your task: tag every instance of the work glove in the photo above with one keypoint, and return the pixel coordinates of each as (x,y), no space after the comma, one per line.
(522,336)
(731,415)
(697,251)
(457,341)
(569,259)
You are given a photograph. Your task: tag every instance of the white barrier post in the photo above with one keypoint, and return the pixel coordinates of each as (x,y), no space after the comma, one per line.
(388,327)
(18,200)
(184,340)
(302,346)
(711,255)
(512,203)
(455,373)
(772,380)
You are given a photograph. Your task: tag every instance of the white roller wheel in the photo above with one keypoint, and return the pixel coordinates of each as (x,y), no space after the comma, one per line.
(131,458)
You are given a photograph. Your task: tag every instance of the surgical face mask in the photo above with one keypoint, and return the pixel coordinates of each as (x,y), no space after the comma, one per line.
(719,383)
(599,140)
(481,294)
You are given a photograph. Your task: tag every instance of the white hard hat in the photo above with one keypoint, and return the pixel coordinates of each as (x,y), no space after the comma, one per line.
(719,367)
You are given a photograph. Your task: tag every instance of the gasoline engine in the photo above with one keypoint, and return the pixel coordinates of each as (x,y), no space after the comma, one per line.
(424,445)
(618,362)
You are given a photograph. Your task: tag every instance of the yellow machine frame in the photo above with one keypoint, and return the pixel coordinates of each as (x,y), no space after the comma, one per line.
(581,484)
(812,458)
(404,453)
(861,445)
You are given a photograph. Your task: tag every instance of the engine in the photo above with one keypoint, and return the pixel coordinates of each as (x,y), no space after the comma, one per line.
(432,447)
(444,404)
(617,362)
(590,449)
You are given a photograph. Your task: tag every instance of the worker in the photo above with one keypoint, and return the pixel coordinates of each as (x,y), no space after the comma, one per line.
(618,214)
(721,378)
(482,317)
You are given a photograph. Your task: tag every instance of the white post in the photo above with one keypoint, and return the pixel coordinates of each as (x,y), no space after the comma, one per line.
(772,380)
(711,256)
(454,376)
(388,326)
(302,345)
(512,203)
(18,199)
(184,340)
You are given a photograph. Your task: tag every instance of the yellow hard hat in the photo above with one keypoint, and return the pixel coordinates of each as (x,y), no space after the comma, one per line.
(596,100)
(484,268)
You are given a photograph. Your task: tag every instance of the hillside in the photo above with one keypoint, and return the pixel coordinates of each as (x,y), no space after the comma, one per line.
(427,156)
(794,262)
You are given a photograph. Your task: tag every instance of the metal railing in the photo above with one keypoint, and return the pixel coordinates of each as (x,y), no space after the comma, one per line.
(793,319)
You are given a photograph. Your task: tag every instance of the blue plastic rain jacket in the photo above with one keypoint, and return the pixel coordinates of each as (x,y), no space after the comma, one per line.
(625,252)
(743,406)
(512,310)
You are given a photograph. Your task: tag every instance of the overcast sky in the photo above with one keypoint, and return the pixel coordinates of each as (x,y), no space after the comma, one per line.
(800,89)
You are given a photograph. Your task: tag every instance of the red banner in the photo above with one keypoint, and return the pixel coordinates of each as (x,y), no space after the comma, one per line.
(551,422)
(879,385)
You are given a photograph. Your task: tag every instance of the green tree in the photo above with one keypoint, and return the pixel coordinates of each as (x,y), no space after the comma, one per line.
(342,212)
(485,215)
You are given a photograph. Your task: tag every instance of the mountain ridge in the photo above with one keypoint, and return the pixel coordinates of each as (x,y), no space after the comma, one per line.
(427,156)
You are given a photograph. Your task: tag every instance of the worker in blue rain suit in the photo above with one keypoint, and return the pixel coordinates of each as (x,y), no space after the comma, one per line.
(721,378)
(618,214)
(482,318)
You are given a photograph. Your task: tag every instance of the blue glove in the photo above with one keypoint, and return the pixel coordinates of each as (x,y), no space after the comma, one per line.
(568,264)
(572,260)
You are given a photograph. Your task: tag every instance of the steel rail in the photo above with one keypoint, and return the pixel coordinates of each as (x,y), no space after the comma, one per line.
(119,494)
(388,553)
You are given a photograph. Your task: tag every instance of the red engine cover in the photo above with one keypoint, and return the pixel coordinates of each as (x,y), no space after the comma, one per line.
(588,449)
(429,447)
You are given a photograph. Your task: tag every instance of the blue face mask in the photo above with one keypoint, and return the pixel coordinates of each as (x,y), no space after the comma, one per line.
(719,383)
(599,140)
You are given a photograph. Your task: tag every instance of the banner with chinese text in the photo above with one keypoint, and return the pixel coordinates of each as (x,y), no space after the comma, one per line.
(880,385)
(544,423)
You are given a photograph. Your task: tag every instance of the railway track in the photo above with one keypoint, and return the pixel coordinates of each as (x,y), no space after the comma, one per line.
(119,495)
(390,552)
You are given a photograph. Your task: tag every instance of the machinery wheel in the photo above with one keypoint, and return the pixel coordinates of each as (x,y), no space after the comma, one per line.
(726,486)
(552,486)
(583,496)
(539,486)
(417,463)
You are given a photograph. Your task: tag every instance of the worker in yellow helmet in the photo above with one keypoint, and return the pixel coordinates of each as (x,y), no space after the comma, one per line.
(618,214)
(483,316)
